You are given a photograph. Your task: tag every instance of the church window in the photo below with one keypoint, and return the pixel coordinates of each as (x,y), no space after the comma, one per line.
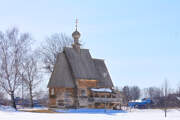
(83,92)
(52,91)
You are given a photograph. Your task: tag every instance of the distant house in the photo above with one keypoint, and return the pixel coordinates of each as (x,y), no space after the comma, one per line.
(26,102)
(78,80)
(141,104)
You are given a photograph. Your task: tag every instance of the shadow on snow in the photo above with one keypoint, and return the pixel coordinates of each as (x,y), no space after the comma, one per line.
(91,111)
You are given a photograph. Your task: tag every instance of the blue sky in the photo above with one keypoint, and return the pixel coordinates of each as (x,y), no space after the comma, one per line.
(139,39)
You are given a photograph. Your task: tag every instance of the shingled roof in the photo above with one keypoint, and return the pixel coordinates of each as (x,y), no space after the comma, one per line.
(72,65)
(104,77)
(61,75)
(81,63)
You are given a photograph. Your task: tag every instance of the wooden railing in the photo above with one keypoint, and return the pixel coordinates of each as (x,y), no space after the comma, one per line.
(99,99)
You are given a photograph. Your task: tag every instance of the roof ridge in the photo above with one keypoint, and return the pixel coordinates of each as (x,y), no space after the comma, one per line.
(73,48)
(98,59)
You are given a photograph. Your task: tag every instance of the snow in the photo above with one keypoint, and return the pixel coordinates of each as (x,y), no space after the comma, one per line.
(135,101)
(178,98)
(35,108)
(101,89)
(7,108)
(135,114)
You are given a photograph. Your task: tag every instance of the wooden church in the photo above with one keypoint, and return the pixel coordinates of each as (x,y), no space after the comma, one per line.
(78,80)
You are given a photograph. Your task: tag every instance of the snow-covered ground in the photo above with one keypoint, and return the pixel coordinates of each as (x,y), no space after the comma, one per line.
(173,114)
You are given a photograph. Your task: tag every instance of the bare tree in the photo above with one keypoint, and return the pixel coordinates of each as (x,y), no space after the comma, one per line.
(53,45)
(2,95)
(31,76)
(178,90)
(166,95)
(154,92)
(42,97)
(135,92)
(126,92)
(13,48)
(131,93)
(165,100)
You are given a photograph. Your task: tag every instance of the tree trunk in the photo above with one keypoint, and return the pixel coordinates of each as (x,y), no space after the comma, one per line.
(31,98)
(13,100)
(165,98)
(165,107)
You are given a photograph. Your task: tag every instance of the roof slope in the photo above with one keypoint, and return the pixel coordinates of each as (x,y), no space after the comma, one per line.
(61,75)
(82,64)
(104,77)
(71,65)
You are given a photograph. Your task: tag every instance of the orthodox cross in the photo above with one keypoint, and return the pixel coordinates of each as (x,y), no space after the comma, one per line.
(76,23)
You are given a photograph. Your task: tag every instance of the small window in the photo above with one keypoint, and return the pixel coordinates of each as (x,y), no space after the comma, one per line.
(83,92)
(52,91)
